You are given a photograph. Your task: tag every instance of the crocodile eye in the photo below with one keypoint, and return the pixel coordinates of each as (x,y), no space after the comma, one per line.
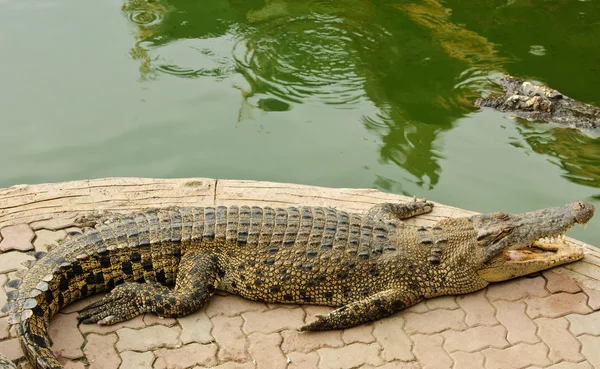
(500,215)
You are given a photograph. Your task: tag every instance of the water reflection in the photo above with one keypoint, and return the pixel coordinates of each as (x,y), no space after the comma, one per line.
(576,153)
(420,70)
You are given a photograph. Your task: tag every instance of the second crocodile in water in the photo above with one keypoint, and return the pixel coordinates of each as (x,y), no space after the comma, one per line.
(368,266)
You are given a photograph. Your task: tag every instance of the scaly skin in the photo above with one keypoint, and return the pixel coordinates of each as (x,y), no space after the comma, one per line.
(368,265)
(541,103)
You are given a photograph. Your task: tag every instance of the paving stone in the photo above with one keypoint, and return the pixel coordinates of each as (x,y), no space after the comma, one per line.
(66,339)
(581,324)
(418,308)
(350,356)
(434,321)
(475,339)
(17,237)
(3,298)
(45,239)
(311,312)
(11,349)
(299,360)
(589,349)
(395,365)
(512,316)
(232,305)
(273,320)
(53,224)
(4,327)
(394,341)
(12,260)
(362,333)
(100,351)
(567,365)
(517,289)
(80,304)
(147,338)
(69,364)
(186,356)
(134,323)
(516,357)
(443,302)
(429,352)
(556,305)
(136,360)
(230,365)
(309,341)
(563,346)
(265,351)
(560,282)
(467,360)
(232,341)
(591,288)
(152,319)
(478,309)
(196,327)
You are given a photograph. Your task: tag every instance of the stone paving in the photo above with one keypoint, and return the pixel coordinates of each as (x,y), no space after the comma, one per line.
(551,320)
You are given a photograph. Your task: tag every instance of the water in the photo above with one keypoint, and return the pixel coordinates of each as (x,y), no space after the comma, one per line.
(344,93)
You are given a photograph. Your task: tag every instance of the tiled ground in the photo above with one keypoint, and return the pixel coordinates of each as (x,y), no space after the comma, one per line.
(546,321)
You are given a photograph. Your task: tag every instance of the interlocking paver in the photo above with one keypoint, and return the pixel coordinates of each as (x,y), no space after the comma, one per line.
(265,351)
(563,346)
(310,341)
(11,349)
(273,320)
(66,342)
(12,260)
(350,356)
(45,239)
(434,321)
(17,237)
(196,327)
(581,324)
(395,342)
(517,289)
(478,309)
(136,360)
(560,282)
(443,302)
(429,352)
(148,338)
(362,333)
(69,364)
(100,351)
(186,356)
(395,365)
(567,365)
(230,365)
(590,350)
(519,326)
(475,339)
(232,340)
(516,357)
(300,360)
(556,305)
(4,327)
(232,305)
(467,360)
(134,323)
(152,319)
(591,288)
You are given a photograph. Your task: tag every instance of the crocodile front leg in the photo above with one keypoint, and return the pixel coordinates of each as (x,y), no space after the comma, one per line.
(399,211)
(374,307)
(197,280)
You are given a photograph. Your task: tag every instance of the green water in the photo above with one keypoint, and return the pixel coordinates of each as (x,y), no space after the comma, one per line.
(344,93)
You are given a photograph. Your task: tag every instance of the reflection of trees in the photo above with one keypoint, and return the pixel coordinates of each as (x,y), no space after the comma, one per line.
(420,70)
(575,153)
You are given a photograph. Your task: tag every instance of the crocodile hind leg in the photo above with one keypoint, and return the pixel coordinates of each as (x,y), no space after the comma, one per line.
(374,307)
(197,280)
(399,211)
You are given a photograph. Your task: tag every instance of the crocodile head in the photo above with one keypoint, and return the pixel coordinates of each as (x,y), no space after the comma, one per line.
(513,245)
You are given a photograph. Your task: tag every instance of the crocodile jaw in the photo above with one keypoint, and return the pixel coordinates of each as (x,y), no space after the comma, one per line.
(542,255)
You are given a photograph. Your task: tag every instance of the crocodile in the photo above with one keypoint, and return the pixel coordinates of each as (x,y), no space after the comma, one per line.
(541,103)
(367,266)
